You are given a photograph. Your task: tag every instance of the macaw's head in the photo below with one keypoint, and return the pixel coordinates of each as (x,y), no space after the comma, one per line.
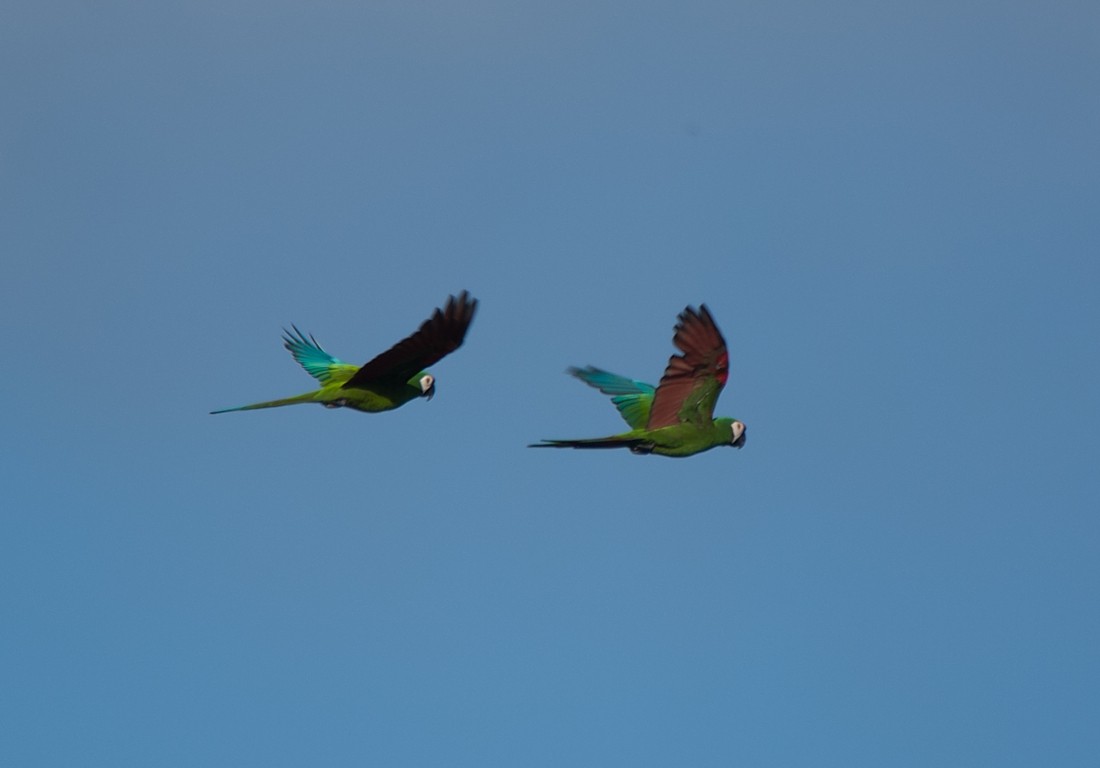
(737,434)
(426,382)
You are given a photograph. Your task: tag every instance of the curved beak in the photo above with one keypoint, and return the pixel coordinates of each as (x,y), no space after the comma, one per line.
(431,392)
(741,440)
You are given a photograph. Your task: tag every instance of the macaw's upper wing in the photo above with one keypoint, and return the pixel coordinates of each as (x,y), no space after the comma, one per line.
(318,363)
(632,398)
(692,381)
(438,336)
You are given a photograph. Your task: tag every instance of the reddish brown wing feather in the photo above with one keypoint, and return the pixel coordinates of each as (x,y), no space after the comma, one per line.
(703,366)
(438,336)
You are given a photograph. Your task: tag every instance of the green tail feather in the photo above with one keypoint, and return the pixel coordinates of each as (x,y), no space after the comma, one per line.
(597,442)
(309,397)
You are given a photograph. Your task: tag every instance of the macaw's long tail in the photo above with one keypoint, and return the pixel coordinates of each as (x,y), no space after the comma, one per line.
(309,397)
(594,442)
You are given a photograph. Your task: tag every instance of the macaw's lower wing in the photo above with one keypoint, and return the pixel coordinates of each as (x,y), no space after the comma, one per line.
(633,398)
(318,363)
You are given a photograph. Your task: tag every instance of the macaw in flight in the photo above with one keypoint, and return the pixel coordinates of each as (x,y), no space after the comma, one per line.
(388,381)
(676,418)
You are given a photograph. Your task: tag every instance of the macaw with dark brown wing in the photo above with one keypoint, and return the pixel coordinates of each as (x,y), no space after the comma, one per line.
(392,378)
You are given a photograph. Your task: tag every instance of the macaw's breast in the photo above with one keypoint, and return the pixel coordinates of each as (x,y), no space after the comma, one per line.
(687,439)
(374,400)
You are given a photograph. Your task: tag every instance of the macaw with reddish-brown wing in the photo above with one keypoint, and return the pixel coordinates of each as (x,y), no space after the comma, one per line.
(676,418)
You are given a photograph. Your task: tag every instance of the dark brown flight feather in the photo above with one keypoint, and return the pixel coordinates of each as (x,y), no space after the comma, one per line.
(437,337)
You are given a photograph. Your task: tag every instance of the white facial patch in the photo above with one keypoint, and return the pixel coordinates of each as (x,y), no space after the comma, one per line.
(738,430)
(426,383)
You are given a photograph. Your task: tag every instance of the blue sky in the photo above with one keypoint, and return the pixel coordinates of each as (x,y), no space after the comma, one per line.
(891,210)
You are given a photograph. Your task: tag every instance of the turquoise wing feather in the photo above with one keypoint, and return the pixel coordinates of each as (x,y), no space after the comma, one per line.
(318,363)
(634,399)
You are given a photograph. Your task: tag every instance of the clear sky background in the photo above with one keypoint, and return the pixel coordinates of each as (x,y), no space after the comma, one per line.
(893,211)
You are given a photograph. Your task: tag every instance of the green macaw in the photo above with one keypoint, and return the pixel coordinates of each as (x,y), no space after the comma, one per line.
(392,378)
(676,418)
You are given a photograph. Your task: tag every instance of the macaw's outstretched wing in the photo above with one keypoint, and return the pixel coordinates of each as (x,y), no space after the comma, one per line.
(632,398)
(438,336)
(692,381)
(318,363)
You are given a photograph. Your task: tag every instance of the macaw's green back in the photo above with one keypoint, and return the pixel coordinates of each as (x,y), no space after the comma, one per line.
(387,381)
